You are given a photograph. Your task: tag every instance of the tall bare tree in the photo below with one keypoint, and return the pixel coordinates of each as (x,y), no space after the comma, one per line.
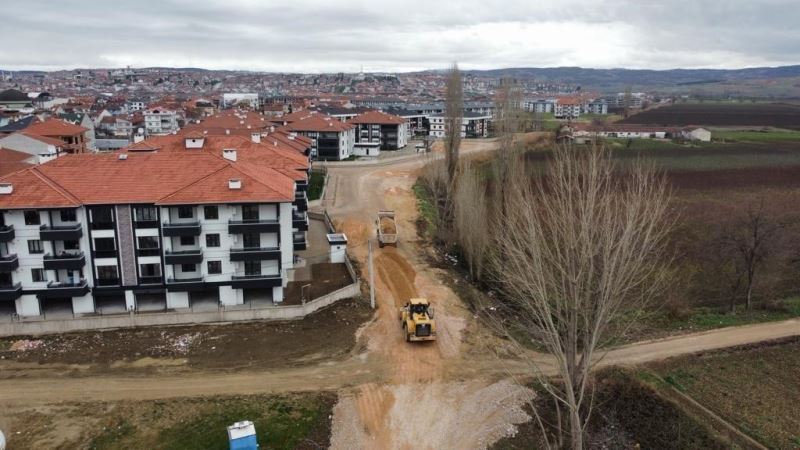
(578,249)
(472,221)
(454,114)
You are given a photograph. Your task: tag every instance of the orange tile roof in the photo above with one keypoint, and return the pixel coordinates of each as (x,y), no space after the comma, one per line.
(44,139)
(319,123)
(377,117)
(12,161)
(33,190)
(54,128)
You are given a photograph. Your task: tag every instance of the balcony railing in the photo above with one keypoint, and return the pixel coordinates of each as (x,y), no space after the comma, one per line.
(255,281)
(184,257)
(69,260)
(9,263)
(61,232)
(108,282)
(253,226)
(10,291)
(299,241)
(6,233)
(181,229)
(72,287)
(184,284)
(151,280)
(255,254)
(300,220)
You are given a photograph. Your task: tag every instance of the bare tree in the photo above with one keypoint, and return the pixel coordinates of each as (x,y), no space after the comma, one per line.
(750,241)
(580,248)
(472,221)
(454,113)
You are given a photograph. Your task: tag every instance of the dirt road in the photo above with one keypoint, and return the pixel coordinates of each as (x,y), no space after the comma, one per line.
(452,393)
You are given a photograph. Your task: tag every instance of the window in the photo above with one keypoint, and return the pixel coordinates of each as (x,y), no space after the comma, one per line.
(214,267)
(187,241)
(251,240)
(188,267)
(212,240)
(211,213)
(150,270)
(107,273)
(35,246)
(147,242)
(185,212)
(250,212)
(146,213)
(72,245)
(69,215)
(104,245)
(102,215)
(32,218)
(252,267)
(37,275)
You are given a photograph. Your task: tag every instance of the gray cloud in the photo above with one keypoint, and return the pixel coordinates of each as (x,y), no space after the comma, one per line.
(325,35)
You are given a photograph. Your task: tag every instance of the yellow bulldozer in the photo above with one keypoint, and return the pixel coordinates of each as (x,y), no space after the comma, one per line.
(416,318)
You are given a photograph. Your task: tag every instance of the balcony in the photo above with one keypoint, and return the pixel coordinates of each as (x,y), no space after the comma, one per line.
(8,263)
(255,281)
(301,201)
(182,229)
(145,224)
(67,288)
(184,284)
(299,241)
(151,280)
(184,257)
(301,186)
(9,292)
(6,233)
(65,260)
(253,226)
(255,254)
(300,220)
(61,233)
(106,282)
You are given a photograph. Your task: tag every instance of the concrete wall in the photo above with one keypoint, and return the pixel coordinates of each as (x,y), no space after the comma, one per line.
(40,327)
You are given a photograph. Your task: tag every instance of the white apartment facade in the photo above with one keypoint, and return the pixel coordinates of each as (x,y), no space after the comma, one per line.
(473,125)
(160,121)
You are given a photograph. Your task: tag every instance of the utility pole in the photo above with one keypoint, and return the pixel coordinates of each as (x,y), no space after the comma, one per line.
(371,277)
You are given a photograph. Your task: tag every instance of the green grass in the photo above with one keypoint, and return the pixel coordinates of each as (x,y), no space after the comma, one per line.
(281,422)
(755,135)
(427,211)
(315,184)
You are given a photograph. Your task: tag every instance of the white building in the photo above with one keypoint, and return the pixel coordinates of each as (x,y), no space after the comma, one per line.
(159,121)
(156,236)
(473,125)
(331,139)
(376,131)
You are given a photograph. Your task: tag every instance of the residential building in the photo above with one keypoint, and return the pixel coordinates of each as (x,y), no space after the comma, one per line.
(331,139)
(473,125)
(135,104)
(539,105)
(83,120)
(72,137)
(160,121)
(156,235)
(15,100)
(376,131)
(40,149)
(567,108)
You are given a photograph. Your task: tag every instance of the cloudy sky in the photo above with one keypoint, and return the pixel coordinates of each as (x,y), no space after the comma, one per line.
(401,35)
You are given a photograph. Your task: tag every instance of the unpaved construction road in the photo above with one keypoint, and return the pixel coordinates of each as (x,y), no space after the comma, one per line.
(451,393)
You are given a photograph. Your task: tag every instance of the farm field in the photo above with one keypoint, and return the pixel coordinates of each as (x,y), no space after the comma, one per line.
(292,421)
(780,115)
(755,388)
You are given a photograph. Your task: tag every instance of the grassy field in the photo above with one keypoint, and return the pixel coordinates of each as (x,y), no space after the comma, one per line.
(298,421)
(755,135)
(315,183)
(755,388)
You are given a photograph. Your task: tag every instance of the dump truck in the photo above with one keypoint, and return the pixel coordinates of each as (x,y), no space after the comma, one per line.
(386,228)
(416,318)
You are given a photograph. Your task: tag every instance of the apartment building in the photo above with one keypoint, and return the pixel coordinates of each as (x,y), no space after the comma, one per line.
(473,125)
(156,235)
(331,139)
(160,121)
(376,131)
(567,108)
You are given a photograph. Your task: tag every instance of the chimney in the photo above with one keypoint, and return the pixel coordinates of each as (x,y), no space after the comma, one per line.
(6,188)
(227,131)
(234,183)
(122,156)
(255,137)
(229,154)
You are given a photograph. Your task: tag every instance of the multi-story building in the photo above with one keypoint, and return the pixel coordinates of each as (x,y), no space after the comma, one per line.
(160,121)
(567,108)
(331,139)
(540,105)
(376,131)
(160,225)
(72,137)
(473,125)
(135,104)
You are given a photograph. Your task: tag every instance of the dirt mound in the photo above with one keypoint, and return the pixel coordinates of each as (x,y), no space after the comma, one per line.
(388,226)
(356,230)
(398,275)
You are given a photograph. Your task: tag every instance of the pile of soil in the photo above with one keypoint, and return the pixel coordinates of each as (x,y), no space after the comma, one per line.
(388,226)
(327,333)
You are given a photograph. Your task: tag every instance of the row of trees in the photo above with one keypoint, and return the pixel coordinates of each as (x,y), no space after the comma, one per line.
(570,250)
